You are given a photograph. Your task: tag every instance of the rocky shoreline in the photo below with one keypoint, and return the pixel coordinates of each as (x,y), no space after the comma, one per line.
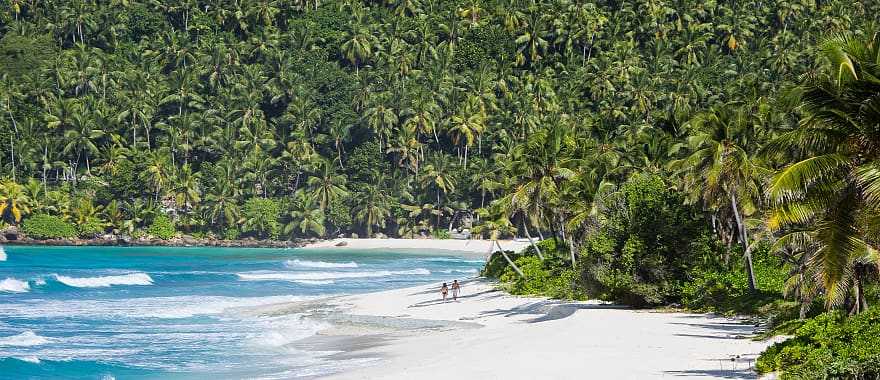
(181,241)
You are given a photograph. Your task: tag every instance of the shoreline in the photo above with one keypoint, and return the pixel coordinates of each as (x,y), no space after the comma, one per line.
(410,333)
(185,241)
(471,248)
(474,246)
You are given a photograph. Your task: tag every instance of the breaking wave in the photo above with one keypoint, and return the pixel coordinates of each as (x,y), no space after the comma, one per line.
(105,281)
(25,339)
(316,276)
(11,285)
(319,264)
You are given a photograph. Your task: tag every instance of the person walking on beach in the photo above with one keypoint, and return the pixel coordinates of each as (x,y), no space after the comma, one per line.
(455,289)
(444,290)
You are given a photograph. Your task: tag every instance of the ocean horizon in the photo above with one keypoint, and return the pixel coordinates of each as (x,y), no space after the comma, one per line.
(182,313)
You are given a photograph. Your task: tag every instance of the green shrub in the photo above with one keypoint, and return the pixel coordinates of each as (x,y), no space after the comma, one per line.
(90,228)
(162,227)
(231,233)
(440,234)
(829,346)
(712,288)
(546,278)
(261,217)
(497,264)
(42,226)
(646,242)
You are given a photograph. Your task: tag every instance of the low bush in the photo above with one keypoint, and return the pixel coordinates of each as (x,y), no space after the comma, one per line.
(231,233)
(440,234)
(542,277)
(727,290)
(42,226)
(829,346)
(162,227)
(497,264)
(90,228)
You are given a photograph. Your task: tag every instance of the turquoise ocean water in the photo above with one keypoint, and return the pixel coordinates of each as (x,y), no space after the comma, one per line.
(181,313)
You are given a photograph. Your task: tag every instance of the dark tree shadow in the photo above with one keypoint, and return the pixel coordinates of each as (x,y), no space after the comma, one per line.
(548,310)
(743,373)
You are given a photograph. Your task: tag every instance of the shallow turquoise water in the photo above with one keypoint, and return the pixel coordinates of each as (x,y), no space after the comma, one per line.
(162,312)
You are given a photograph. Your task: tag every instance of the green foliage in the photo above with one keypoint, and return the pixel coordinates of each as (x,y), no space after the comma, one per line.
(547,278)
(162,227)
(338,215)
(367,163)
(829,346)
(42,226)
(21,54)
(646,242)
(497,265)
(261,217)
(717,288)
(440,234)
(123,183)
(231,233)
(90,228)
(141,22)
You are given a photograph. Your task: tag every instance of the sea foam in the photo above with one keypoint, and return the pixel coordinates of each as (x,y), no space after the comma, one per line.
(105,281)
(25,339)
(319,264)
(11,285)
(292,276)
(29,359)
(466,271)
(141,307)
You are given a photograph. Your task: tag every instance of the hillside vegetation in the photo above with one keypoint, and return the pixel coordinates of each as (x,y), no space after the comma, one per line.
(720,155)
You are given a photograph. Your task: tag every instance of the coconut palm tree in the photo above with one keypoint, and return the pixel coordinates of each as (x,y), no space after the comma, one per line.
(495,228)
(833,187)
(720,172)
(371,207)
(326,185)
(305,217)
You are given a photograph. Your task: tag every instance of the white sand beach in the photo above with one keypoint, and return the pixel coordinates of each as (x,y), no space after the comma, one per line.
(463,246)
(493,335)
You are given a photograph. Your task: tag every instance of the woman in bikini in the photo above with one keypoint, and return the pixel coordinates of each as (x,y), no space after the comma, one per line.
(444,290)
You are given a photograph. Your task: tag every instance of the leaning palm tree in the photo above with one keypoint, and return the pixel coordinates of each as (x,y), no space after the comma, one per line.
(538,167)
(496,227)
(833,186)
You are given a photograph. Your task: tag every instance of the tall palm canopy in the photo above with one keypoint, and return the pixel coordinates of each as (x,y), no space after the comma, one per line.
(833,185)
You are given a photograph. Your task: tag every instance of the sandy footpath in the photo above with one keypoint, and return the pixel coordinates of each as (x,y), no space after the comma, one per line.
(493,335)
(464,246)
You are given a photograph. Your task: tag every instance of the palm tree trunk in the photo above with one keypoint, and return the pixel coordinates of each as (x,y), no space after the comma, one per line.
(12,152)
(509,261)
(339,155)
(147,132)
(465,155)
(571,247)
(861,303)
(531,241)
(747,250)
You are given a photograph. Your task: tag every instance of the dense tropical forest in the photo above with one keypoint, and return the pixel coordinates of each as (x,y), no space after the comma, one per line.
(713,154)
